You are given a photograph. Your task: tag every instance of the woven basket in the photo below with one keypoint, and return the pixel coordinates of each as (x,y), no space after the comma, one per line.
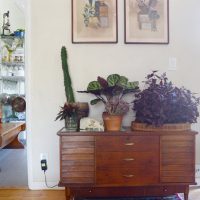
(166,127)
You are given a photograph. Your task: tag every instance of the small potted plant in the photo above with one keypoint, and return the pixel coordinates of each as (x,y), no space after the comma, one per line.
(111,91)
(69,113)
(163,106)
(72,111)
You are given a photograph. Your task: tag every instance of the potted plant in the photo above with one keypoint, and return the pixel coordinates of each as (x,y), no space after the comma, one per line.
(72,111)
(163,106)
(111,91)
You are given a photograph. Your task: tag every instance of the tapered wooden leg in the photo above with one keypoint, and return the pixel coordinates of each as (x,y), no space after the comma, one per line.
(186,193)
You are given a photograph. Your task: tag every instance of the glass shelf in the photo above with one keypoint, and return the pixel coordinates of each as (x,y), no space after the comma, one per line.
(12,78)
(11,64)
(8,39)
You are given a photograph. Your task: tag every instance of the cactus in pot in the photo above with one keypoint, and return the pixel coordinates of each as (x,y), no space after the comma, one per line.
(67,79)
(71,110)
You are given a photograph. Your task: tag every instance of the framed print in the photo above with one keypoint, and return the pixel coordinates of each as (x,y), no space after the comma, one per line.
(94,21)
(147,21)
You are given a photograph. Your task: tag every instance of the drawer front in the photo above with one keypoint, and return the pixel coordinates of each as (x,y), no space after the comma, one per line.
(77,159)
(127,143)
(177,159)
(127,159)
(127,176)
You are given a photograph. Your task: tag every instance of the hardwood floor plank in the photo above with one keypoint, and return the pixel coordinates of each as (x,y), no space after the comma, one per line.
(25,194)
(22,194)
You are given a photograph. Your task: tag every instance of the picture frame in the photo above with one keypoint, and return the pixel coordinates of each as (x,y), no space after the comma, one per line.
(146,21)
(94,21)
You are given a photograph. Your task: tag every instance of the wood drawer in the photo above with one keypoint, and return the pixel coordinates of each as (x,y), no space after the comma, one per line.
(127,143)
(127,176)
(77,159)
(127,159)
(177,159)
(178,179)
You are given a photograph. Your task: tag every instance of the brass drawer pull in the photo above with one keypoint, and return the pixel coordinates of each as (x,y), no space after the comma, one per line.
(129,176)
(130,144)
(129,159)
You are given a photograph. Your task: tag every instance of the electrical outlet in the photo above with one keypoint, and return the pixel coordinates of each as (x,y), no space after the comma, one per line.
(197,170)
(43,156)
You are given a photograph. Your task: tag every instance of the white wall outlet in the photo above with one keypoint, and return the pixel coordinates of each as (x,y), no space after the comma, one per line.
(44,156)
(172,64)
(197,170)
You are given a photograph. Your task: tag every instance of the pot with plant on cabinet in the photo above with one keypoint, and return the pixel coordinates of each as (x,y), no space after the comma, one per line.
(161,106)
(72,111)
(111,91)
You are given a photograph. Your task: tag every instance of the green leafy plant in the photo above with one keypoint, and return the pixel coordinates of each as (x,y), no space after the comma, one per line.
(111,91)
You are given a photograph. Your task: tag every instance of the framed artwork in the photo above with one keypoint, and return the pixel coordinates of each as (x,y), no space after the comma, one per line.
(94,21)
(146,21)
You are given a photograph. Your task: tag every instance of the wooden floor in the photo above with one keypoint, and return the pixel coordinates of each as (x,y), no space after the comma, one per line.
(22,194)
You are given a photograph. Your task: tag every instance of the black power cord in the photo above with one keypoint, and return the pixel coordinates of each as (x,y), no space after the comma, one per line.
(47,183)
(44,168)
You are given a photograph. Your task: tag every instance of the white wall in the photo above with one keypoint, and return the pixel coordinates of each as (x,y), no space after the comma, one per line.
(50,28)
(17,17)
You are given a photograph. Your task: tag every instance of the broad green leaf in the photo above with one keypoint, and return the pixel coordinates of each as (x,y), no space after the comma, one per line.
(94,85)
(113,79)
(132,85)
(123,81)
(94,101)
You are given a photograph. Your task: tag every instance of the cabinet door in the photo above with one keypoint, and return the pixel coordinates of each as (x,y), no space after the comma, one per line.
(177,158)
(77,159)
(127,160)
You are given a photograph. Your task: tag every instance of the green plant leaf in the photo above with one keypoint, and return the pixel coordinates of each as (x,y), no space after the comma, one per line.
(132,85)
(113,79)
(95,101)
(94,85)
(123,81)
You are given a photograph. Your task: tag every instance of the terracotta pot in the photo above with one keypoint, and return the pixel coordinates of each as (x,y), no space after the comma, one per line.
(166,127)
(112,122)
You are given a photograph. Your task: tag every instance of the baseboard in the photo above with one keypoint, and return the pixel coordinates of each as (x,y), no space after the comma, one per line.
(197,183)
(42,186)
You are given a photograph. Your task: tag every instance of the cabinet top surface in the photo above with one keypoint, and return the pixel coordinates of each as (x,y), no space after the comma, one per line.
(64,132)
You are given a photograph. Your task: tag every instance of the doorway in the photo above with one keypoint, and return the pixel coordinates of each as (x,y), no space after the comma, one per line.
(13,159)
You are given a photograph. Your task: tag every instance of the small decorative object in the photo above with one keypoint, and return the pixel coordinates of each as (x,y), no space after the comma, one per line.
(6,24)
(163,106)
(72,111)
(89,124)
(69,112)
(111,91)
(147,21)
(94,21)
(10,49)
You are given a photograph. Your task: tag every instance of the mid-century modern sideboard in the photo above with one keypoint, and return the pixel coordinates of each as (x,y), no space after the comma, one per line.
(126,164)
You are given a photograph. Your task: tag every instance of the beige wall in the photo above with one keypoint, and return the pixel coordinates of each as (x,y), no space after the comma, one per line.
(50,28)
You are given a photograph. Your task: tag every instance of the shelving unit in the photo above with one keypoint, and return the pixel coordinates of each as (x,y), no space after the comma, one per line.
(12,78)
(10,67)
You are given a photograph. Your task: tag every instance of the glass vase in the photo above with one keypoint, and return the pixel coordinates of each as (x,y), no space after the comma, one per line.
(71,123)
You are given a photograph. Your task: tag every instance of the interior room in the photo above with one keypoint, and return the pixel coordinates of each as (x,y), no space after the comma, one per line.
(12,95)
(129,38)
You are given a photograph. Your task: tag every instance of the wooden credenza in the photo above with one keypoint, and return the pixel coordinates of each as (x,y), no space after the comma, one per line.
(125,164)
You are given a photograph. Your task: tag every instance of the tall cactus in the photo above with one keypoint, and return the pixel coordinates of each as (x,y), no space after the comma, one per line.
(67,79)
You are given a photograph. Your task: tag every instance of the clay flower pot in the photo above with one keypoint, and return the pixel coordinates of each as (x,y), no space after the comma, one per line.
(112,122)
